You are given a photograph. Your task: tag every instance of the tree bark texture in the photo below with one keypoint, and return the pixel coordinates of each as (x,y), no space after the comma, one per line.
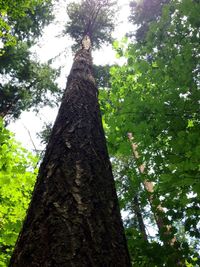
(74,217)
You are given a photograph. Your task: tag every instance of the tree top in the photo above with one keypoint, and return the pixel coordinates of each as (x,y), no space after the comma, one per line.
(95,18)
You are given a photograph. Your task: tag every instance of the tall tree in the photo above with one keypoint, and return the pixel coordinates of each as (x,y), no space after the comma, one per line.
(74,217)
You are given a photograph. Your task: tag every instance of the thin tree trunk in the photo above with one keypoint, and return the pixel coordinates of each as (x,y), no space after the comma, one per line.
(138,213)
(74,217)
(164,230)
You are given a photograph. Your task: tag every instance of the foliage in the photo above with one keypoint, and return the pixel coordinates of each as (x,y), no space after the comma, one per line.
(25,83)
(17,176)
(143,13)
(44,134)
(102,76)
(92,17)
(156,97)
(23,19)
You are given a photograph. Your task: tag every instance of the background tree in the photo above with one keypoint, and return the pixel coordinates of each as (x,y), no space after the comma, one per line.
(143,13)
(23,19)
(155,96)
(74,218)
(25,83)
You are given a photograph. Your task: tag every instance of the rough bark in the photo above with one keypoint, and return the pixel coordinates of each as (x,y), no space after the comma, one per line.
(74,217)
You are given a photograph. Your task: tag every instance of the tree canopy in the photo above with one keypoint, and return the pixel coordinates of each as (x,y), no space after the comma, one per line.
(25,83)
(155,96)
(23,19)
(95,18)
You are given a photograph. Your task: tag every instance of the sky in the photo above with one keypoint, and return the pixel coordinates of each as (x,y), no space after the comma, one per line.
(53,45)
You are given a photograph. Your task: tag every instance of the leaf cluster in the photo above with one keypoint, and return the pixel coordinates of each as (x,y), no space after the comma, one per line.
(25,83)
(23,19)
(17,176)
(95,18)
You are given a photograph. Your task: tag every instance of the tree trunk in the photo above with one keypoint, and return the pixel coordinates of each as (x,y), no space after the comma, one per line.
(74,217)
(138,212)
(164,230)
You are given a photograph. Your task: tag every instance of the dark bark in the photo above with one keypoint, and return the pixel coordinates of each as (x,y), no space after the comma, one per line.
(138,213)
(74,217)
